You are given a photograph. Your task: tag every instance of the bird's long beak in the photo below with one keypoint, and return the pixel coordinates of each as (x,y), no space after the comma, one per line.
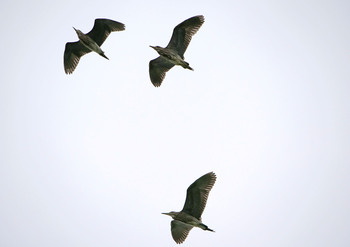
(152,47)
(166,214)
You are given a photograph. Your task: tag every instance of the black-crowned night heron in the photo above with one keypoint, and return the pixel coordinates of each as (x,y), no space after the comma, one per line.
(173,54)
(89,42)
(190,215)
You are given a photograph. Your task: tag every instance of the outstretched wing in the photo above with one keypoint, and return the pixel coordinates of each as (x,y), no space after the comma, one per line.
(72,54)
(197,195)
(183,33)
(102,28)
(157,70)
(179,231)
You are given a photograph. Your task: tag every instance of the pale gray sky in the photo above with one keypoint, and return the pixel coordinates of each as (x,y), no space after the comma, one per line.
(93,158)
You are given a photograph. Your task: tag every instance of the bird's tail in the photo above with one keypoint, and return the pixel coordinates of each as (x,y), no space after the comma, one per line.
(205,227)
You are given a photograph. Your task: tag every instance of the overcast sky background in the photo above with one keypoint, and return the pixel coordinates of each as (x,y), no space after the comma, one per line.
(93,158)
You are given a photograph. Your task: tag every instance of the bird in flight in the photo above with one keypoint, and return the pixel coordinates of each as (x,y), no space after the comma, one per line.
(173,53)
(190,215)
(89,42)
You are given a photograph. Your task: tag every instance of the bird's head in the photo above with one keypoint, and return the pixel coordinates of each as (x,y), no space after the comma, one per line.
(157,48)
(171,214)
(79,33)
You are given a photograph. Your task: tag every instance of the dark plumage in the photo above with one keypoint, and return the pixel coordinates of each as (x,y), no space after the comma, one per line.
(173,54)
(190,215)
(89,42)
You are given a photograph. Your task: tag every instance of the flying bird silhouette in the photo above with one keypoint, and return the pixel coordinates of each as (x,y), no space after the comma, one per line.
(89,42)
(173,54)
(190,215)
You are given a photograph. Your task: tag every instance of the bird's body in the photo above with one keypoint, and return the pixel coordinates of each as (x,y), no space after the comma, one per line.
(89,42)
(172,56)
(173,53)
(190,215)
(188,220)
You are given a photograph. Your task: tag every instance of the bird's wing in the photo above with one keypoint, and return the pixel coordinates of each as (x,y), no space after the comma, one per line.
(102,28)
(197,195)
(179,231)
(72,54)
(157,69)
(183,33)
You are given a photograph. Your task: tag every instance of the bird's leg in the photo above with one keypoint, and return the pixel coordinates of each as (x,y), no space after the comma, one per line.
(205,227)
(186,65)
